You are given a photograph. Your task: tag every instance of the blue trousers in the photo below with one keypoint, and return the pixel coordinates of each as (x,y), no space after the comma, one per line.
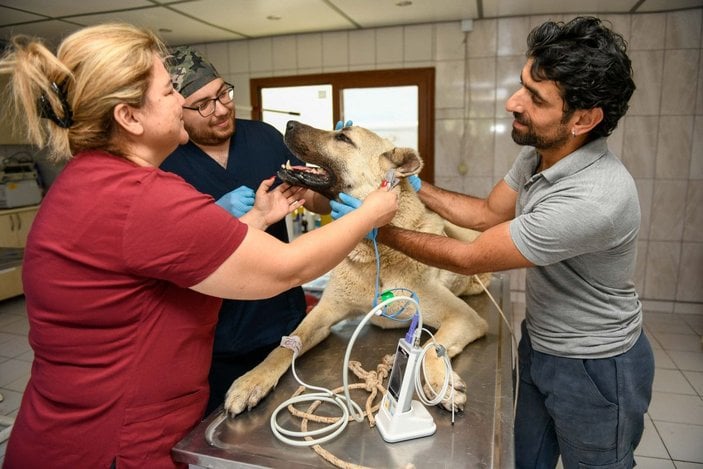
(591,412)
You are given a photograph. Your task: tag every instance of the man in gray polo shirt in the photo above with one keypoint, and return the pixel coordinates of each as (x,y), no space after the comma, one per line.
(568,210)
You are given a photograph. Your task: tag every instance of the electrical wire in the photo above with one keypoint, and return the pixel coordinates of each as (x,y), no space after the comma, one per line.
(514,348)
(420,390)
(448,377)
(345,403)
(376,311)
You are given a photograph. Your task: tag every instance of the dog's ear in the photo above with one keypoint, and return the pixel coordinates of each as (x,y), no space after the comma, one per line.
(406,161)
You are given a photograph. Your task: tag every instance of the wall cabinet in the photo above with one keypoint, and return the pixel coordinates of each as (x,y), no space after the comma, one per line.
(14,227)
(10,282)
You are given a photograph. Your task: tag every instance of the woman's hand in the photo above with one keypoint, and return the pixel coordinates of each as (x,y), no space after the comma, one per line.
(381,205)
(271,206)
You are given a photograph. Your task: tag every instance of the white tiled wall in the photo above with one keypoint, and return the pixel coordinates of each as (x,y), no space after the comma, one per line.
(660,140)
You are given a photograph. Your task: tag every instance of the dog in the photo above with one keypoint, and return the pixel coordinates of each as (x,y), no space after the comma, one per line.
(355,160)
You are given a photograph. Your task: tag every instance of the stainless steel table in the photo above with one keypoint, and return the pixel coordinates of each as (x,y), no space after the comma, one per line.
(481,436)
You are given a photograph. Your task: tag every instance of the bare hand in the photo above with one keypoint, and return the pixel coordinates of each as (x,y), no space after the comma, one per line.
(382,205)
(271,206)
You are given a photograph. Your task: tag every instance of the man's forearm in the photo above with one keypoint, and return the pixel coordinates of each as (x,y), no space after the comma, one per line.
(460,209)
(430,249)
(492,251)
(468,211)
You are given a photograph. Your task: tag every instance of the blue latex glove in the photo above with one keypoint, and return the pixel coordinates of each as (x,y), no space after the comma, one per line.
(347,204)
(340,125)
(415,182)
(238,202)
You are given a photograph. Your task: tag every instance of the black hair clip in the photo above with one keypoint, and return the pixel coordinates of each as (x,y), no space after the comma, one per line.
(47,112)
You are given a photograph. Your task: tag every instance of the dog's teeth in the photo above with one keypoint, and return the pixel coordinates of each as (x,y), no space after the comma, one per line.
(288,166)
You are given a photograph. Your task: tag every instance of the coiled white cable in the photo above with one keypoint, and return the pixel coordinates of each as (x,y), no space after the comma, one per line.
(376,311)
(448,376)
(345,403)
(324,395)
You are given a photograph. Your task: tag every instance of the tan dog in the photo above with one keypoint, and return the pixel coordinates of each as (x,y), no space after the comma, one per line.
(355,160)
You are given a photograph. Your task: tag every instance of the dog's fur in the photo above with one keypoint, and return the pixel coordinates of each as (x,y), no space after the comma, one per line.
(355,160)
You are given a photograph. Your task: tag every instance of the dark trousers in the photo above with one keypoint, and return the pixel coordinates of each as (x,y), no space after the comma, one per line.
(591,412)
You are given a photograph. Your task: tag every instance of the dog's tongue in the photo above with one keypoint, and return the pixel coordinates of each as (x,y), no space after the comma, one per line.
(313,178)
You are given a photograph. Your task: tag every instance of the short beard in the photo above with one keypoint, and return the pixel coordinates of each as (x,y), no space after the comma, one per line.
(529,138)
(208,137)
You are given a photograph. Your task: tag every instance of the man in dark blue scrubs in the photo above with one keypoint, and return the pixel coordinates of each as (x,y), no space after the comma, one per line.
(228,158)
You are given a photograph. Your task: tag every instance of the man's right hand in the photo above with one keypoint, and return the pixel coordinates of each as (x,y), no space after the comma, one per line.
(238,202)
(415,182)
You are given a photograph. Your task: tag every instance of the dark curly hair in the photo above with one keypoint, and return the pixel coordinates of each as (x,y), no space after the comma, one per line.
(589,64)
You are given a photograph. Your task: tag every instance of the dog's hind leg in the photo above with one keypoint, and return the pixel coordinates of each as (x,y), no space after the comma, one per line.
(457,325)
(465,285)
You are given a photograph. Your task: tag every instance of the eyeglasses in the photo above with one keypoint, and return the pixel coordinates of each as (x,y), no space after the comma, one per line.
(206,107)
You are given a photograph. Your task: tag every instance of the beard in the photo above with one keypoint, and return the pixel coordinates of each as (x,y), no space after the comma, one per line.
(542,142)
(212,136)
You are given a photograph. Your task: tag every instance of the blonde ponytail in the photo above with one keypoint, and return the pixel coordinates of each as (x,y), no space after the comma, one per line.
(66,100)
(33,72)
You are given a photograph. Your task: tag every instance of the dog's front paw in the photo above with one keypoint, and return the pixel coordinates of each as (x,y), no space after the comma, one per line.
(246,392)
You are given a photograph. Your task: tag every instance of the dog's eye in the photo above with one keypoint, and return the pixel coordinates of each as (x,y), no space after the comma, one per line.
(343,138)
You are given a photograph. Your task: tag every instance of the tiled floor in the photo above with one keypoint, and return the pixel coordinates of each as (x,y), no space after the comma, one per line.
(673,436)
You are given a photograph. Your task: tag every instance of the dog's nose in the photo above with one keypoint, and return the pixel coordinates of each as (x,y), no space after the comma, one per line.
(291,125)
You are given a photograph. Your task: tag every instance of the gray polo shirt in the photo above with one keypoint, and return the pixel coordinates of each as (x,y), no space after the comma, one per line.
(577,222)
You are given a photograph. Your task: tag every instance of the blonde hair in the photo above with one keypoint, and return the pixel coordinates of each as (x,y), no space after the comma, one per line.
(94,69)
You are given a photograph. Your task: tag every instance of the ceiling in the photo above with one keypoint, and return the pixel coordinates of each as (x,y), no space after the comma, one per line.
(198,21)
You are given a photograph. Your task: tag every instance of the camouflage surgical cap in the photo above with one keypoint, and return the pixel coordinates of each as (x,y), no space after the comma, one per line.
(189,70)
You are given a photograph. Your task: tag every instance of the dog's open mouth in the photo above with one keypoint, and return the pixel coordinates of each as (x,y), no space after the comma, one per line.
(315,178)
